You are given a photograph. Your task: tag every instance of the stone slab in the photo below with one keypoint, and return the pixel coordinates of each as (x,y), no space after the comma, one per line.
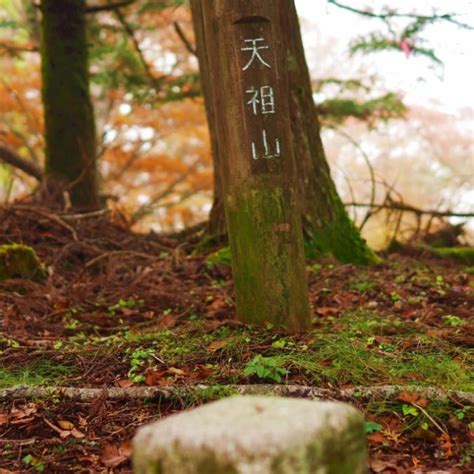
(255,435)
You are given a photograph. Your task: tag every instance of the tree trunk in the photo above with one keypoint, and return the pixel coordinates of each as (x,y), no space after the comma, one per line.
(327,226)
(70,133)
(216,227)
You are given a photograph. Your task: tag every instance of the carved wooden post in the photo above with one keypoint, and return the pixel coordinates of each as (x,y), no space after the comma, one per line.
(249,82)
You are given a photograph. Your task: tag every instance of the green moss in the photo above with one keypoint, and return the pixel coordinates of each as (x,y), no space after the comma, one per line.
(20,261)
(340,238)
(461,254)
(267,254)
(40,373)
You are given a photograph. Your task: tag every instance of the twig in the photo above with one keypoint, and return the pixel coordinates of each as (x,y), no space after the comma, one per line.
(88,215)
(407,208)
(52,217)
(371,171)
(184,39)
(17,48)
(129,30)
(430,418)
(109,7)
(391,14)
(143,393)
(115,253)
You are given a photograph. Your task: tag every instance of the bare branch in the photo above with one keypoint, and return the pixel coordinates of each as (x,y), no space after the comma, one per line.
(7,155)
(184,39)
(407,208)
(18,48)
(448,17)
(109,7)
(129,30)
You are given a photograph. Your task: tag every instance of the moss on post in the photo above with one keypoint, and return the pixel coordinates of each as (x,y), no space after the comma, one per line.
(263,235)
(20,261)
(69,117)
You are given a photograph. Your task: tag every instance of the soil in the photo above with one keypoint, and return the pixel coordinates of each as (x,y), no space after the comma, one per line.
(124,309)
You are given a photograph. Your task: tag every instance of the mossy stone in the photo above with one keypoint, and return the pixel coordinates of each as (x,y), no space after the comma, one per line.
(255,435)
(20,261)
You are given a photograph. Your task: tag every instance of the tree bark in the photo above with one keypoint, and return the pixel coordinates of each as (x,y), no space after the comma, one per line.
(70,132)
(326,224)
(216,227)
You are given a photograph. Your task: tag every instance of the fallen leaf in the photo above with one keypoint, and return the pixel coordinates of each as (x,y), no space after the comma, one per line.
(378,465)
(393,435)
(377,438)
(24,411)
(413,398)
(175,371)
(62,433)
(3,419)
(216,345)
(113,455)
(65,425)
(326,311)
(82,422)
(447,446)
(155,377)
(124,383)
(77,434)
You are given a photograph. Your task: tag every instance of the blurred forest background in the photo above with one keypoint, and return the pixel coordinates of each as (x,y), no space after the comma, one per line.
(398,137)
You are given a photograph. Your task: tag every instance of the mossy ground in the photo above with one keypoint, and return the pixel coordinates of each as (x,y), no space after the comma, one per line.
(20,261)
(170,320)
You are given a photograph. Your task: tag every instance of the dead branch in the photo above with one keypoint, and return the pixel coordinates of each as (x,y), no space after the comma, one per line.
(381,392)
(49,216)
(7,155)
(154,82)
(109,7)
(407,208)
(184,39)
(384,16)
(18,48)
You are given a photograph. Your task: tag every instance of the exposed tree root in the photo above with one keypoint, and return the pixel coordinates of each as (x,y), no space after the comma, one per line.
(145,393)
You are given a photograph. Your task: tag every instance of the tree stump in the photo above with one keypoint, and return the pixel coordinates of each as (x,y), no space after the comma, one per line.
(255,435)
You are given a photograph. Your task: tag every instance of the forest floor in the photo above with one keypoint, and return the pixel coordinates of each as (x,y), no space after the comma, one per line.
(125,310)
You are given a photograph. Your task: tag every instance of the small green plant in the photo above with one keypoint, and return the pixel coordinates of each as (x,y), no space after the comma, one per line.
(364,286)
(452,320)
(395,296)
(35,463)
(221,257)
(462,413)
(280,343)
(372,427)
(124,304)
(316,267)
(409,410)
(271,368)
(138,361)
(73,324)
(218,284)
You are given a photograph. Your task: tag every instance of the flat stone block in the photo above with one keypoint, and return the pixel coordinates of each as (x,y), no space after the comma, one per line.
(255,435)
